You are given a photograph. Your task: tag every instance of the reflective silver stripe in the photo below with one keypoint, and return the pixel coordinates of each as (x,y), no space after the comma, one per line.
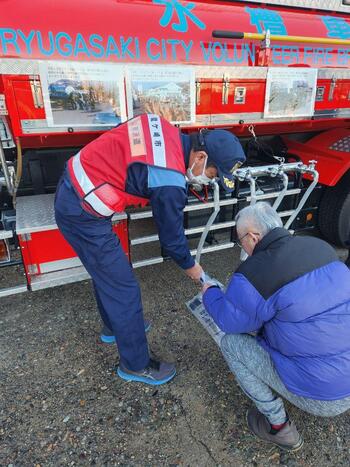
(81,176)
(86,185)
(98,205)
(158,146)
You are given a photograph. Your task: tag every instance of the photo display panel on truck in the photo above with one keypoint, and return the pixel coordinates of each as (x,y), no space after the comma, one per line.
(276,74)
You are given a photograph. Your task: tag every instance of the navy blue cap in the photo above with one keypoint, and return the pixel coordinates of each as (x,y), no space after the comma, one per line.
(224,151)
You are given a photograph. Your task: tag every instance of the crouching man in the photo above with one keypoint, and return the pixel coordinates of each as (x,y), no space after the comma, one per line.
(295,294)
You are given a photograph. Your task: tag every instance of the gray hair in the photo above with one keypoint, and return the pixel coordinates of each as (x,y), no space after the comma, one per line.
(260,216)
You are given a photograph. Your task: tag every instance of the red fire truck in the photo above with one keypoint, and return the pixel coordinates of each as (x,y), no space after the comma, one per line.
(275,73)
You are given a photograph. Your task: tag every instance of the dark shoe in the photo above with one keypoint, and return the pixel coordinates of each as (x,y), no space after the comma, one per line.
(286,438)
(107,336)
(155,373)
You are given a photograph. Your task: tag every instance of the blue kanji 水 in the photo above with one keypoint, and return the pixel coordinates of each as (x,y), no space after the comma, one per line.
(183,13)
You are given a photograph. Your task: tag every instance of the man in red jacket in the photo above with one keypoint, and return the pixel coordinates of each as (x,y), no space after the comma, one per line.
(142,161)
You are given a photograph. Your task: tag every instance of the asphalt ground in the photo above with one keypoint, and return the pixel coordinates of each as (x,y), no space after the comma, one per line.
(62,403)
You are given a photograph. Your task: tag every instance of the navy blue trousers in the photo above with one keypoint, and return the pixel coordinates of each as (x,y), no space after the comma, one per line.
(116,289)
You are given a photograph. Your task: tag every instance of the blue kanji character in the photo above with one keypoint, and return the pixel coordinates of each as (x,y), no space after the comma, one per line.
(182,11)
(336,27)
(265,20)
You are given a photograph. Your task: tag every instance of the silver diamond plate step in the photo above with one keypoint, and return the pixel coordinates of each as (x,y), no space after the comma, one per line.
(36,214)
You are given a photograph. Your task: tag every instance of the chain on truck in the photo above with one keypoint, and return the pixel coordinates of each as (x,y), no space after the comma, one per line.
(276,74)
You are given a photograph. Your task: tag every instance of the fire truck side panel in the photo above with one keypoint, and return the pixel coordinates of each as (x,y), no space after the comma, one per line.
(253,101)
(82,30)
(23,96)
(231,77)
(331,150)
(47,250)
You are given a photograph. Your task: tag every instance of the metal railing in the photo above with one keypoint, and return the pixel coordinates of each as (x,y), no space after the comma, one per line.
(247,174)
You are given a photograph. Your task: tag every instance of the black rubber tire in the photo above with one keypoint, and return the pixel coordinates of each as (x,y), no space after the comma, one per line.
(334,213)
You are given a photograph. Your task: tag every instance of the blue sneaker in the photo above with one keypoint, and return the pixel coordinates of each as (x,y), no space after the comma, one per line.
(155,373)
(107,336)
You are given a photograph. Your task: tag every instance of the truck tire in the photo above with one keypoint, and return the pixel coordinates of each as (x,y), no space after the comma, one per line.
(334,212)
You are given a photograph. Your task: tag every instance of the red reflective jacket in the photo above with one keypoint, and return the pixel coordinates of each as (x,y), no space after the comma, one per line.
(99,171)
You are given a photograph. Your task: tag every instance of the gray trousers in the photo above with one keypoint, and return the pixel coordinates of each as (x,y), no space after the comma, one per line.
(256,374)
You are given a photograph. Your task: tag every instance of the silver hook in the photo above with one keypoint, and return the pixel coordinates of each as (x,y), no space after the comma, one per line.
(252,132)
